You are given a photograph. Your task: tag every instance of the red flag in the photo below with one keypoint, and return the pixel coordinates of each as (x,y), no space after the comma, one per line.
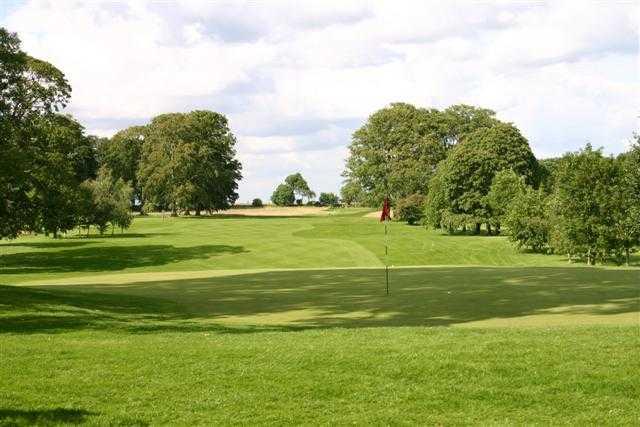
(386,210)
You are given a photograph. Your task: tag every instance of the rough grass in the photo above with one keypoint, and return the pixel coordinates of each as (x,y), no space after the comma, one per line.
(285,321)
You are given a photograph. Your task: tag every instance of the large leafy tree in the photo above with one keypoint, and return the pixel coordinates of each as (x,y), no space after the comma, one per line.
(62,157)
(585,203)
(283,195)
(329,199)
(121,154)
(188,162)
(505,187)
(627,194)
(299,186)
(105,202)
(30,90)
(465,177)
(527,220)
(353,194)
(397,150)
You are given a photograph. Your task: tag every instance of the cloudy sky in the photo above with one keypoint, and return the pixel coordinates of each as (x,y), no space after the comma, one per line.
(296,78)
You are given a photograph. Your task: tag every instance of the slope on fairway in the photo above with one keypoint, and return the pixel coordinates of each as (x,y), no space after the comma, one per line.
(227,243)
(285,321)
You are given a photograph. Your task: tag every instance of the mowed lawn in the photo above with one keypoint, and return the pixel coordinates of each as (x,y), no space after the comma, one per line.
(283,320)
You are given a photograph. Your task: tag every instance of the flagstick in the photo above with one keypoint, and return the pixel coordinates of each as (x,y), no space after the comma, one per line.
(386,256)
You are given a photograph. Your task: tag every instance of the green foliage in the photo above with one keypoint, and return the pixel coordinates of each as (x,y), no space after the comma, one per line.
(353,194)
(283,196)
(329,199)
(465,177)
(436,200)
(627,195)
(410,209)
(505,187)
(548,171)
(585,202)
(32,91)
(396,151)
(121,154)
(59,148)
(107,202)
(256,203)
(188,162)
(527,220)
(299,186)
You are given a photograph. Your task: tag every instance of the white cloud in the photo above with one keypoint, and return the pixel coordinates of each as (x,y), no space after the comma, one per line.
(296,78)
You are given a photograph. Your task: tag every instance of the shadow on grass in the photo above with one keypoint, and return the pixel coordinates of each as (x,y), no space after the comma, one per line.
(295,300)
(53,244)
(72,241)
(16,417)
(107,258)
(57,416)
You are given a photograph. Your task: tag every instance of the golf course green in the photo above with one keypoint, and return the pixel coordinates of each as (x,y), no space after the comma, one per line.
(284,320)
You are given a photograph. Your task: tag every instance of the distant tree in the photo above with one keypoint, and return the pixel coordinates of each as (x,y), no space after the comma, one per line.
(461,120)
(283,196)
(627,200)
(328,199)
(436,202)
(106,202)
(61,160)
(397,150)
(505,187)
(256,203)
(188,162)
(299,186)
(468,171)
(121,153)
(584,203)
(353,194)
(31,90)
(527,220)
(548,168)
(410,209)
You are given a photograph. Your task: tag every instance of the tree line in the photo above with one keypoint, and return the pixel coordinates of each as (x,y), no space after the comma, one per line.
(462,170)
(54,177)
(295,188)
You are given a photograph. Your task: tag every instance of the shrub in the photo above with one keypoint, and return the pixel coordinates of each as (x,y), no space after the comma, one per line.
(410,209)
(256,203)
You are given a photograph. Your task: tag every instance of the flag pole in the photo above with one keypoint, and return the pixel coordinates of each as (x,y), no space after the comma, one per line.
(385,217)
(386,257)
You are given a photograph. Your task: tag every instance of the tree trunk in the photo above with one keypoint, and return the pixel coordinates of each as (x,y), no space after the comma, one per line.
(627,256)
(498,228)
(489,229)
(197,211)
(477,229)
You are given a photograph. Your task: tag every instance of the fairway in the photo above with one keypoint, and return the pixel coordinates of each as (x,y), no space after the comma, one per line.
(250,320)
